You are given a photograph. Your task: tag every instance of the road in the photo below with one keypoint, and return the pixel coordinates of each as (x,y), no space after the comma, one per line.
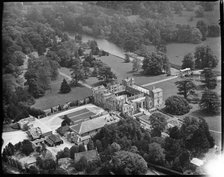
(156,82)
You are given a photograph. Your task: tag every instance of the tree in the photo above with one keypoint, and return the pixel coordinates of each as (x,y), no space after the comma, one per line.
(74,149)
(196,136)
(188,61)
(177,105)
(196,36)
(18,57)
(155,154)
(82,148)
(106,74)
(66,121)
(33,170)
(213,31)
(90,145)
(158,120)
(199,12)
(115,147)
(136,64)
(128,163)
(204,57)
(210,102)
(210,78)
(81,164)
(156,132)
(203,27)
(49,164)
(207,6)
(185,87)
(155,64)
(99,146)
(174,132)
(127,58)
(65,88)
(27,147)
(77,71)
(172,149)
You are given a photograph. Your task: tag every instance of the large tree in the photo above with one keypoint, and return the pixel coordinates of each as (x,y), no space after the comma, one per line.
(210,78)
(128,163)
(127,58)
(155,64)
(155,154)
(106,74)
(177,105)
(172,149)
(136,64)
(158,120)
(203,27)
(65,88)
(204,57)
(188,61)
(27,147)
(185,87)
(77,71)
(210,102)
(196,136)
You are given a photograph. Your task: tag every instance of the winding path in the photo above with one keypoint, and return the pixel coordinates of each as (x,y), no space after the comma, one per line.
(69,77)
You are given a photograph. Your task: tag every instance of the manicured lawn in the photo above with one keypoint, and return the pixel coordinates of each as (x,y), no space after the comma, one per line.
(53,98)
(169,88)
(124,70)
(176,51)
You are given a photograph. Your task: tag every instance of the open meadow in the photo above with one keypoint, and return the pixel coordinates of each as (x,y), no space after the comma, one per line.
(53,98)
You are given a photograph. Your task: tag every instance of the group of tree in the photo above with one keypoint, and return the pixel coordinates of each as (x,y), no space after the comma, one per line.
(69,153)
(155,64)
(16,104)
(39,74)
(177,105)
(122,143)
(203,58)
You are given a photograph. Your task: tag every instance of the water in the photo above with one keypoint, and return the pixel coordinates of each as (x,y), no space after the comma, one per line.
(175,51)
(105,45)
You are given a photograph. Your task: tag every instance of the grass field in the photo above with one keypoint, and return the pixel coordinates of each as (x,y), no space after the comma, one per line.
(124,70)
(176,51)
(53,98)
(169,88)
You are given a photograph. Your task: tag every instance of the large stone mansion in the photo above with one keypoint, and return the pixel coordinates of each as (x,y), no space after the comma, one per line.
(127,97)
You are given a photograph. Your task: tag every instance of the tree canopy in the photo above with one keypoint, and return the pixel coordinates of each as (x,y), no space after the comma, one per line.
(204,57)
(177,105)
(185,87)
(210,102)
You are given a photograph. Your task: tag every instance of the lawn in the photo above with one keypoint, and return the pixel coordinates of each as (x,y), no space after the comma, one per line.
(169,88)
(176,51)
(53,98)
(124,70)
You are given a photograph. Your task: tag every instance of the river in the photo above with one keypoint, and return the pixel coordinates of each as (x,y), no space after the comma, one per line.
(175,51)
